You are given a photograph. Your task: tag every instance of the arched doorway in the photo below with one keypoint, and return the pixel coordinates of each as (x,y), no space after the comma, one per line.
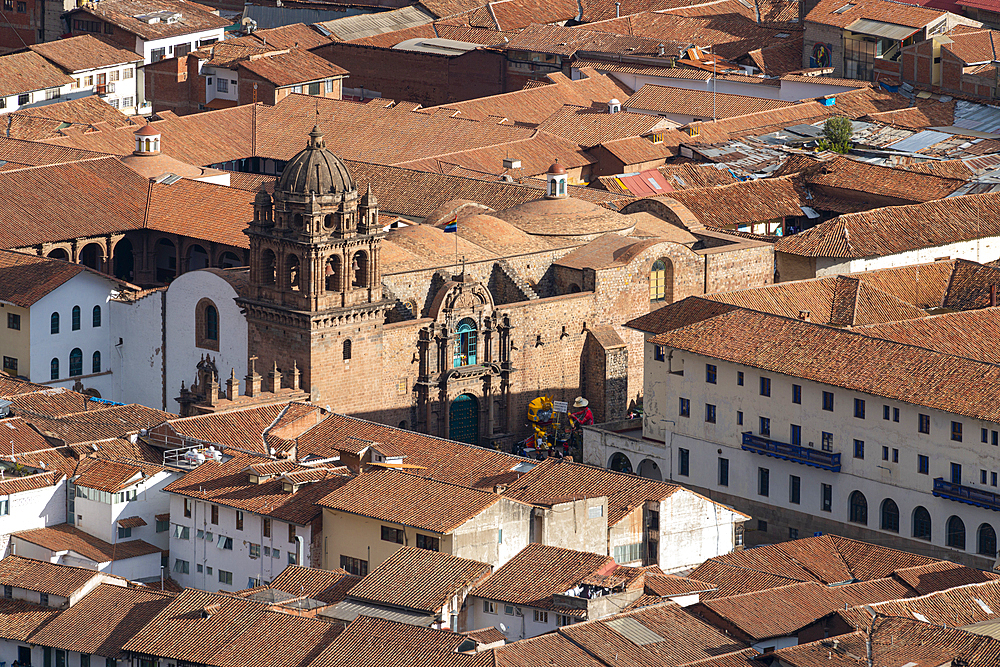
(986,544)
(59,253)
(955,533)
(463,420)
(650,470)
(619,463)
(92,256)
(166,261)
(124,263)
(197,258)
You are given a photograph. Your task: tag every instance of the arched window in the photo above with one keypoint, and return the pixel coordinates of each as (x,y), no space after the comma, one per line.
(206,325)
(97,317)
(267,266)
(333,273)
(76,318)
(890,516)
(54,369)
(562,186)
(297,221)
(552,188)
(986,544)
(921,523)
(328,221)
(955,535)
(54,326)
(211,323)
(619,463)
(359,265)
(294,269)
(465,343)
(859,508)
(347,349)
(96,366)
(661,280)
(76,362)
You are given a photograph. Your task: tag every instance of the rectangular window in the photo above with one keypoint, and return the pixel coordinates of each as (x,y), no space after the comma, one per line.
(628,553)
(314,88)
(225,578)
(276,553)
(222,85)
(267,552)
(563,619)
(794,489)
(13,321)
(10,365)
(859,408)
(329,85)
(827,441)
(162,526)
(8,591)
(739,418)
(895,414)
(156,55)
(291,533)
(508,610)
(895,455)
(113,75)
(710,413)
(390,534)
(796,435)
(826,497)
(859,449)
(797,393)
(489,607)
(43,599)
(956,473)
(659,353)
(765,427)
(215,514)
(885,412)
(52,93)
(710,373)
(225,543)
(187,508)
(885,453)
(182,532)
(357,567)
(182,566)
(762,525)
(763,481)
(993,479)
(128,73)
(982,477)
(828,401)
(685,407)
(124,532)
(254,550)
(793,533)
(765,386)
(239,519)
(267,528)
(956,431)
(984,434)
(923,464)
(723,472)
(924,423)
(739,378)
(127,102)
(428,542)
(995,438)
(683,462)
(22,8)
(541,616)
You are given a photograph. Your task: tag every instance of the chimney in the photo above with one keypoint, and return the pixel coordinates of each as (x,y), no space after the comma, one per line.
(618,10)
(253,379)
(804,315)
(232,387)
(274,379)
(662,50)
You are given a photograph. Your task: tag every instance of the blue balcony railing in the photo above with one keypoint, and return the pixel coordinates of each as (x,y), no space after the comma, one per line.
(781,450)
(967,494)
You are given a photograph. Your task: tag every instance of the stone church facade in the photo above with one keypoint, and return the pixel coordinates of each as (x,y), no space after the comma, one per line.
(450,334)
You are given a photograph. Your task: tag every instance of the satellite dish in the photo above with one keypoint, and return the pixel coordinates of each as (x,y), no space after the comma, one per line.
(503,628)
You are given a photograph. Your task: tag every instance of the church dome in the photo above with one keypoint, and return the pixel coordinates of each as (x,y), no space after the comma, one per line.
(315,169)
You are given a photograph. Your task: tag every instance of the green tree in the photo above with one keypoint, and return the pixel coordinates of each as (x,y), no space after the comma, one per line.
(837,135)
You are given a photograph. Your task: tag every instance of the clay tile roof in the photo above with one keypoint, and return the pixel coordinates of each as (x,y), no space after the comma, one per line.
(193,18)
(955,607)
(42,576)
(63,537)
(294,67)
(131,522)
(410,496)
(99,423)
(941,576)
(374,642)
(780,58)
(538,572)
(241,428)
(84,52)
(228,484)
(592,124)
(109,476)
(28,71)
(667,585)
(419,579)
(567,42)
(895,229)
(29,483)
(103,620)
(329,586)
(26,278)
(549,649)
(488,635)
(19,619)
(826,12)
(55,120)
(742,202)
(960,334)
(669,100)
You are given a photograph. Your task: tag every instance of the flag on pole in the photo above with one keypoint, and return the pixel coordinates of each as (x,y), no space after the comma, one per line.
(452,226)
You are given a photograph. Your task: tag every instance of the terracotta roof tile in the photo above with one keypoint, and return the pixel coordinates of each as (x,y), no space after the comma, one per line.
(329,586)
(42,576)
(826,13)
(194,18)
(954,607)
(99,423)
(560,40)
(743,202)
(669,100)
(781,58)
(63,537)
(53,120)
(668,585)
(549,649)
(26,72)
(940,576)
(294,67)
(84,52)
(19,619)
(103,620)
(591,125)
(411,495)
(419,579)
(109,476)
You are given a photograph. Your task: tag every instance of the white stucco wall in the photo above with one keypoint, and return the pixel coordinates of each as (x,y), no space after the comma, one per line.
(100,519)
(183,356)
(978,250)
(33,509)
(514,626)
(137,350)
(145,48)
(85,290)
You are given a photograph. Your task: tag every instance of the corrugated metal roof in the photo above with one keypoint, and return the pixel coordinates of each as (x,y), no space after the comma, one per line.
(882,29)
(444,47)
(276,17)
(919,141)
(634,631)
(348,610)
(358,26)
(979,117)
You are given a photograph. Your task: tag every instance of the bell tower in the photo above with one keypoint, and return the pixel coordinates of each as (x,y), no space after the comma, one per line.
(315,272)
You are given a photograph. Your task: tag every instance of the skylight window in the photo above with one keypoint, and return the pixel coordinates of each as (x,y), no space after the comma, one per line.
(846,8)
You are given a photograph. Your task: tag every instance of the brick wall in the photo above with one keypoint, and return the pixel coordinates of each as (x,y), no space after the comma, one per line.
(426,78)
(20,28)
(916,63)
(174,85)
(739,268)
(831,37)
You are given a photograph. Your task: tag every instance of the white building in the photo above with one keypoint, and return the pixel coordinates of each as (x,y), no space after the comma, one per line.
(815,429)
(29,80)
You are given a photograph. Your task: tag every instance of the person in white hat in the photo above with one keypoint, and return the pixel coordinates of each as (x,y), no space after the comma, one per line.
(583,415)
